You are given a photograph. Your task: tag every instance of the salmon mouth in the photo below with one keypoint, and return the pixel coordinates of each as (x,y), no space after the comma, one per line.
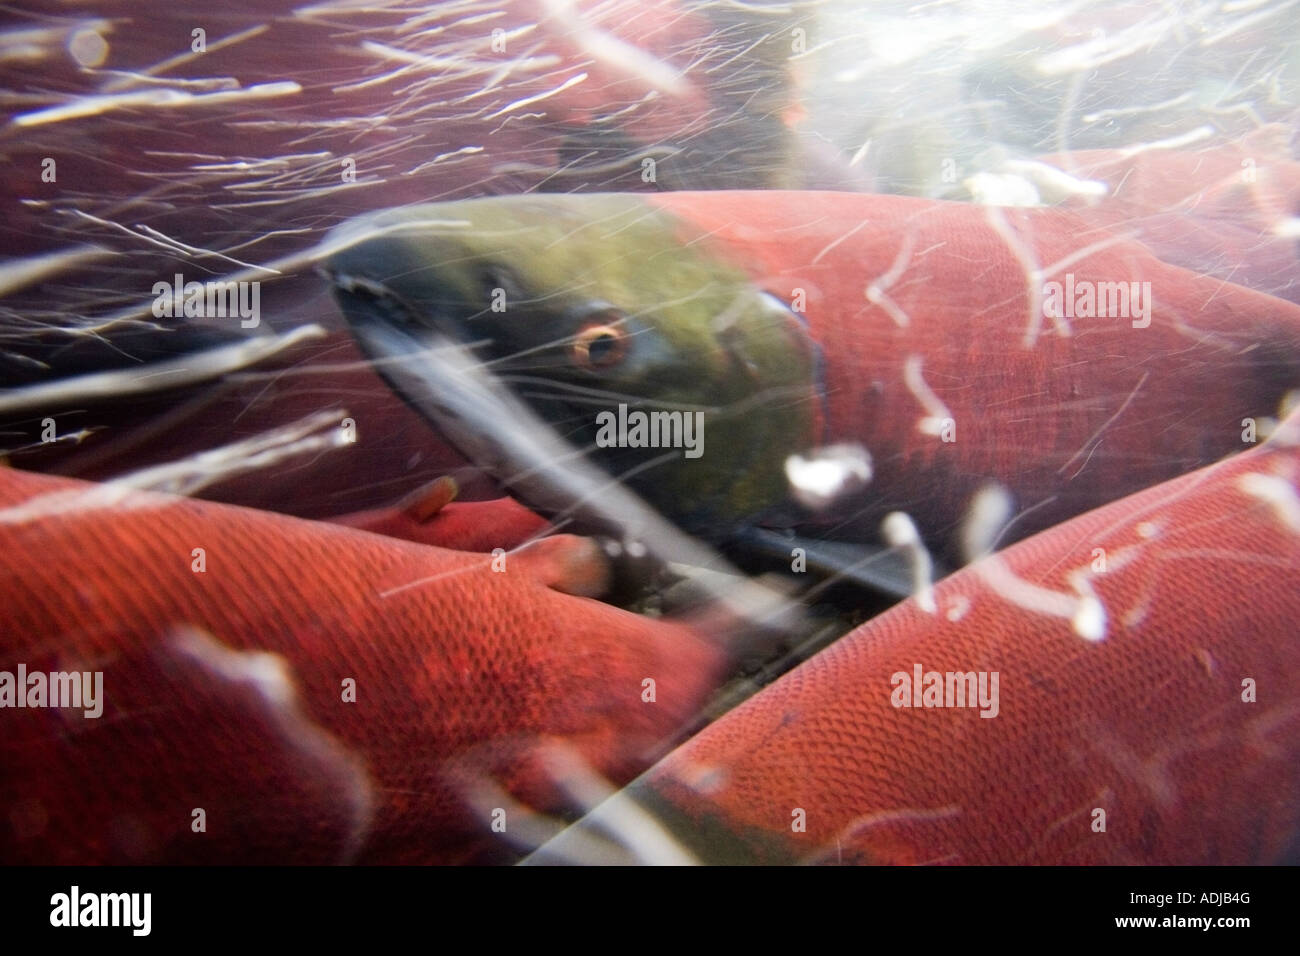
(395,335)
(384,320)
(364,300)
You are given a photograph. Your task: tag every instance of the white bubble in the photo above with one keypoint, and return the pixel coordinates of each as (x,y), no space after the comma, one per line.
(827,474)
(88,48)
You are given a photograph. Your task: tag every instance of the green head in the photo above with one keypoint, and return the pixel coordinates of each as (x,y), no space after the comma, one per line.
(600,314)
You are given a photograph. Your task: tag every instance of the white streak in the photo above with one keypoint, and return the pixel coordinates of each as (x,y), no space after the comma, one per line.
(82,106)
(900,532)
(986,518)
(155,376)
(1084,610)
(19,273)
(529,100)
(937,412)
(876,290)
(1278,492)
(269,675)
(144,488)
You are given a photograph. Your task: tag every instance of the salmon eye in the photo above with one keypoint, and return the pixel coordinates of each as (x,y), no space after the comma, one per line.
(598,346)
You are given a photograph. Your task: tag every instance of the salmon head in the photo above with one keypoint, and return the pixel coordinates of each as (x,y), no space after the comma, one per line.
(924,337)
(667,366)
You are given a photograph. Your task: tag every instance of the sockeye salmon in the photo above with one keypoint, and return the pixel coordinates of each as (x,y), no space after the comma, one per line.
(319,693)
(1232,211)
(1141,674)
(955,345)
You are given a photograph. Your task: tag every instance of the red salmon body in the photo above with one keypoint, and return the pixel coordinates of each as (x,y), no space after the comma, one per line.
(1229,211)
(1144,711)
(963,345)
(308,693)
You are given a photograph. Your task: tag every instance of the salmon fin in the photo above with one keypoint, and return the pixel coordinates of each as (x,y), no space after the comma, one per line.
(568,563)
(429,516)
(428,500)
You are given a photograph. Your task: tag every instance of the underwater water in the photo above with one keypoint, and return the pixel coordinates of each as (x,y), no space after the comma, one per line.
(739,430)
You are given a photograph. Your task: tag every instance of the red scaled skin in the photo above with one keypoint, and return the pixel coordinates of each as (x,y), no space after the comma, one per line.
(1066,415)
(1222,210)
(463,675)
(1147,724)
(1252,182)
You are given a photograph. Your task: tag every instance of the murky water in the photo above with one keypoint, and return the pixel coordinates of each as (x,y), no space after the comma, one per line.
(189,247)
